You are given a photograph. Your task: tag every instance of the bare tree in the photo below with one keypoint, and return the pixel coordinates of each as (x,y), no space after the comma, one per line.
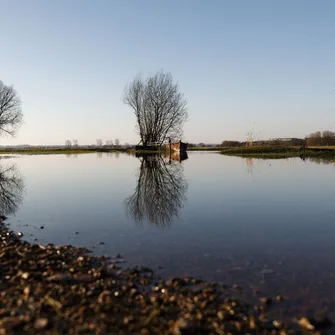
(75,143)
(328,137)
(99,142)
(117,142)
(68,144)
(251,136)
(10,110)
(159,107)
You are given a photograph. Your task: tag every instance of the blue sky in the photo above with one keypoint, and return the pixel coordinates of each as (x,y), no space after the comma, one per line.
(243,65)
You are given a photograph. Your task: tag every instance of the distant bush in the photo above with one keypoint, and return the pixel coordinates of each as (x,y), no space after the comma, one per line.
(231,144)
(321,138)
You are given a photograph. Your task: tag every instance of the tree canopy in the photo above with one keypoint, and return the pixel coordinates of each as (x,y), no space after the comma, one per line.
(10,110)
(326,137)
(159,107)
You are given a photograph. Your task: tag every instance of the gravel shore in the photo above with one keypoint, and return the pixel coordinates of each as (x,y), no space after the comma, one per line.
(64,290)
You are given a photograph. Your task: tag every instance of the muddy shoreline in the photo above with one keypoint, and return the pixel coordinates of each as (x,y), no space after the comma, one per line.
(64,290)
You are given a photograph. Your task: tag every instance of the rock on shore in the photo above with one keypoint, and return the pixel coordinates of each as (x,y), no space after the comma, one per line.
(63,290)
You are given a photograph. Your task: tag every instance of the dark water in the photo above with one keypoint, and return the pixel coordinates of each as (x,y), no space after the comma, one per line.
(268,225)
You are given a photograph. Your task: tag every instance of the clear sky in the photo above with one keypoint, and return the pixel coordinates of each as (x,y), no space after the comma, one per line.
(266,65)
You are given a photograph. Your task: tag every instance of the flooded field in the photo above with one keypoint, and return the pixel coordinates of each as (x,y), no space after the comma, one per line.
(267,225)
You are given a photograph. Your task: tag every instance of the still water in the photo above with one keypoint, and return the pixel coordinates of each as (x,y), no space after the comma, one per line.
(268,225)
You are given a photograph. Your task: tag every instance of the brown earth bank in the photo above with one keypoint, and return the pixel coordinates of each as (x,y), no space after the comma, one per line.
(64,290)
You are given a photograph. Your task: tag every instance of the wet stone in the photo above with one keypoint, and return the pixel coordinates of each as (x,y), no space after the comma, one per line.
(266,301)
(65,290)
(41,323)
(305,323)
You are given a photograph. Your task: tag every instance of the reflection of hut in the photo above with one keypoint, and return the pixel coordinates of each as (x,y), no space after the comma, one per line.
(177,156)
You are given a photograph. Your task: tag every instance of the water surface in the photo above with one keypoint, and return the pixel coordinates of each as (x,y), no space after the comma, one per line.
(266,224)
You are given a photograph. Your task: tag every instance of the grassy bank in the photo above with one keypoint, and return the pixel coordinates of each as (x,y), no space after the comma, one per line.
(204,149)
(256,151)
(164,149)
(267,152)
(53,151)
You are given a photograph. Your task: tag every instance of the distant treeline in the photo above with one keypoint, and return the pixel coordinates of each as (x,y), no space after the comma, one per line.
(274,141)
(315,139)
(321,138)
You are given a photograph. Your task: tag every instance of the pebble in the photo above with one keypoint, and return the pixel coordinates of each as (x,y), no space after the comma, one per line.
(305,323)
(65,290)
(41,323)
(267,272)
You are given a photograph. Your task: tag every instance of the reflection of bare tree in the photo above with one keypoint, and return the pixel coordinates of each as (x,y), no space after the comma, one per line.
(160,192)
(11,189)
(250,164)
(114,154)
(71,155)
